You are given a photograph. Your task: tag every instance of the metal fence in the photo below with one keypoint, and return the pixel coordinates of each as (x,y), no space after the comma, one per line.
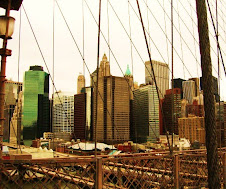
(148,170)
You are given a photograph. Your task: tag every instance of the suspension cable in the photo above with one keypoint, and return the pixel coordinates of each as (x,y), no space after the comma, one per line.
(83,36)
(98,57)
(151,64)
(18,80)
(130,35)
(43,58)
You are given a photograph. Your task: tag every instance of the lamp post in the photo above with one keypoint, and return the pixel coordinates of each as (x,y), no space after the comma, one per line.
(6,31)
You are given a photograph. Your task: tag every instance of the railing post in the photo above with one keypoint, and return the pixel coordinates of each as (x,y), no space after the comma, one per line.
(176,171)
(99,173)
(224,168)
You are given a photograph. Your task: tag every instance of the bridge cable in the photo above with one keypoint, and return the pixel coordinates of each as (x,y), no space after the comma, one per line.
(141,20)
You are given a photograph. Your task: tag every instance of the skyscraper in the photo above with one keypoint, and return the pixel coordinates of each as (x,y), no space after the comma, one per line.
(15,124)
(189,90)
(83,117)
(146,114)
(12,89)
(80,83)
(111,123)
(177,83)
(172,110)
(196,80)
(192,128)
(215,88)
(63,112)
(36,87)
(161,71)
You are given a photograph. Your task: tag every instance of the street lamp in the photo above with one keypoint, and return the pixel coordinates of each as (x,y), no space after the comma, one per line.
(3,25)
(6,31)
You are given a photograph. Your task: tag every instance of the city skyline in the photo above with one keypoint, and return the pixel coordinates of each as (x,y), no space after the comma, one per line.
(68,62)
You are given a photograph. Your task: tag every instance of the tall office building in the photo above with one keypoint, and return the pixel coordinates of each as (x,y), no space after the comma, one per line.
(177,83)
(15,124)
(192,128)
(12,89)
(220,114)
(189,90)
(80,83)
(172,110)
(35,103)
(83,117)
(63,112)
(161,71)
(215,88)
(111,123)
(197,84)
(146,114)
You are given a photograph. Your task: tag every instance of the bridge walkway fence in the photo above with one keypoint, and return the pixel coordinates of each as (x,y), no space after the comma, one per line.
(187,169)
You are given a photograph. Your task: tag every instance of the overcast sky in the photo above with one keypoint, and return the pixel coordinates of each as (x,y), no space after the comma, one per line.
(68,62)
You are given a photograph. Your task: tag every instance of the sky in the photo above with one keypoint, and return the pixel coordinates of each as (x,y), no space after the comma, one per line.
(59,48)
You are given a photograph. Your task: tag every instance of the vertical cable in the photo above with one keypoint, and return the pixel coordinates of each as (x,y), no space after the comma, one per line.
(109,52)
(173,125)
(18,80)
(83,37)
(52,112)
(98,57)
(218,64)
(130,34)
(148,25)
(167,48)
(181,45)
(193,31)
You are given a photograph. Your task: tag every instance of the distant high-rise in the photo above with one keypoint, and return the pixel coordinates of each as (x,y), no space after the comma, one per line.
(113,106)
(215,88)
(161,71)
(15,123)
(197,89)
(220,114)
(172,110)
(12,89)
(145,114)
(36,88)
(83,117)
(177,83)
(63,112)
(192,128)
(189,90)
(80,83)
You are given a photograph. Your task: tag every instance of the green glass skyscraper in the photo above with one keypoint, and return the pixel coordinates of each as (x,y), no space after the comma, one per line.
(36,113)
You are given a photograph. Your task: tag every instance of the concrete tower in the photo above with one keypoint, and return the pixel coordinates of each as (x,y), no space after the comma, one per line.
(80,83)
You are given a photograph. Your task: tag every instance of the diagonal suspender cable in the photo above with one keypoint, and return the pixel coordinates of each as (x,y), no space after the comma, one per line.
(113,53)
(36,40)
(216,35)
(141,20)
(80,52)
